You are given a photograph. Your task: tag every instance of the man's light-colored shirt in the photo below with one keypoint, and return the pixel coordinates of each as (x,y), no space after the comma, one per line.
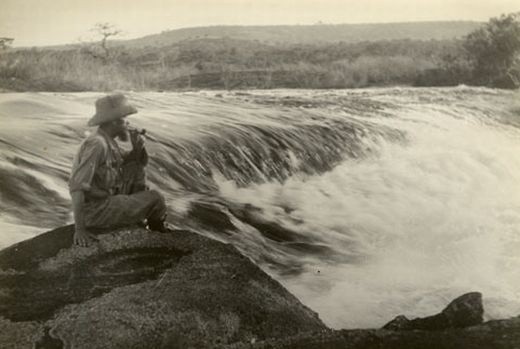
(97,165)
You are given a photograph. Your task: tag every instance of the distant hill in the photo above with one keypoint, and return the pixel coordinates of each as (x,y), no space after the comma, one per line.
(245,57)
(302,34)
(312,34)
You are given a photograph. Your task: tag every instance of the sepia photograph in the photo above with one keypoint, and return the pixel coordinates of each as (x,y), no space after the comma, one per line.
(260,174)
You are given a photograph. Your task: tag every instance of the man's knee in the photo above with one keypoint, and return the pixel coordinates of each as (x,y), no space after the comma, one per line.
(157,214)
(158,199)
(157,196)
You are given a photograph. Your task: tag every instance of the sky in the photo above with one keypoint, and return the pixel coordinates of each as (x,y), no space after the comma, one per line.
(51,22)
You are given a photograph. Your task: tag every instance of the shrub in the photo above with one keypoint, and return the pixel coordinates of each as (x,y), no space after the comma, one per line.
(493,52)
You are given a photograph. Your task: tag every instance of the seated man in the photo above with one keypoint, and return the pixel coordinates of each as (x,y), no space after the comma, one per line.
(107,185)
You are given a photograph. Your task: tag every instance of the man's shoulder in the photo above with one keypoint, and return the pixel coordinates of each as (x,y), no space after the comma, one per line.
(94,142)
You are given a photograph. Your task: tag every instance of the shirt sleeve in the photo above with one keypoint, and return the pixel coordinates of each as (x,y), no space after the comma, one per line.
(90,156)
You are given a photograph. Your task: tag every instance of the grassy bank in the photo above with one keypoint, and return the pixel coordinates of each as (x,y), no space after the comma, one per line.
(223,64)
(487,56)
(236,64)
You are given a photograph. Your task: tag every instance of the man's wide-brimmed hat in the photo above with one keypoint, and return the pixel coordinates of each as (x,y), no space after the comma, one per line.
(110,108)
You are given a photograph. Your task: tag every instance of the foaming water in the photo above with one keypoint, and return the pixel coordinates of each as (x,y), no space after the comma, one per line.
(412,227)
(365,204)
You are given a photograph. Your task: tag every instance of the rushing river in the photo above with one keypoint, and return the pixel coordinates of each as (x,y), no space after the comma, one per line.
(371,203)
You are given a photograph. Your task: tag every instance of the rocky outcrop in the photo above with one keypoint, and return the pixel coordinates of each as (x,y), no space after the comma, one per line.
(137,289)
(499,334)
(464,311)
(458,326)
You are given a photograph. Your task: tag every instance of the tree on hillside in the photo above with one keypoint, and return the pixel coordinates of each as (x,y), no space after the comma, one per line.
(5,43)
(101,50)
(494,51)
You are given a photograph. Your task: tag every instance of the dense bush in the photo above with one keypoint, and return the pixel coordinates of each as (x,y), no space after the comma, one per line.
(494,50)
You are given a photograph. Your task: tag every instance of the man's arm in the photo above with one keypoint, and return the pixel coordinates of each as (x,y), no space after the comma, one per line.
(82,237)
(89,157)
(138,152)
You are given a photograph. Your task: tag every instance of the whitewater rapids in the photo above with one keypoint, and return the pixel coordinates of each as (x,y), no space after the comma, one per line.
(391,201)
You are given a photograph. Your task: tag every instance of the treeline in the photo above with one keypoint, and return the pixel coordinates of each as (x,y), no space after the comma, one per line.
(487,56)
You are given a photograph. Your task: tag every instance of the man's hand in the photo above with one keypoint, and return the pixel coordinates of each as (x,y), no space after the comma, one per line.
(83,238)
(137,140)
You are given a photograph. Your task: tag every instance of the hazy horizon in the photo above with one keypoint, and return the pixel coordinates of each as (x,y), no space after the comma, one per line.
(45,22)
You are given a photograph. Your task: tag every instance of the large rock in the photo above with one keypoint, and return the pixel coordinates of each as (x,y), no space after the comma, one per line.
(136,289)
(497,334)
(464,311)
(459,325)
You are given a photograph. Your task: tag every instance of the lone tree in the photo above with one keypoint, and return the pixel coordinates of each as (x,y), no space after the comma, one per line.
(5,43)
(494,51)
(102,51)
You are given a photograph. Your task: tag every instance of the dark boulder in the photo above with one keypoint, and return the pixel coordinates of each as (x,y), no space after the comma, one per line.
(136,289)
(399,323)
(496,334)
(464,311)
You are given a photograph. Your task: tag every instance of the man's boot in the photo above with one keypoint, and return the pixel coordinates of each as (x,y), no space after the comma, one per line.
(160,226)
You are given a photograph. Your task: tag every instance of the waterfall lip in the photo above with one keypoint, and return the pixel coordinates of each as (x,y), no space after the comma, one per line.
(383,181)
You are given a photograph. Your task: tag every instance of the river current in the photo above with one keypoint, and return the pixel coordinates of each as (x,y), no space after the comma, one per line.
(364,203)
